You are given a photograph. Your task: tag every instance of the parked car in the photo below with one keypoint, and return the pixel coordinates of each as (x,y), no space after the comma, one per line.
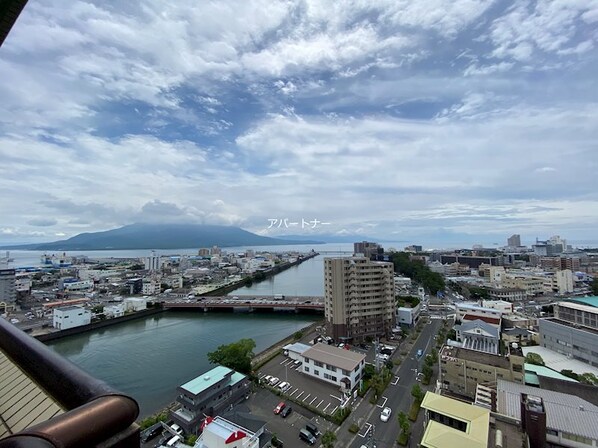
(267,379)
(274,381)
(385,415)
(278,409)
(286,411)
(313,429)
(284,386)
(297,362)
(307,436)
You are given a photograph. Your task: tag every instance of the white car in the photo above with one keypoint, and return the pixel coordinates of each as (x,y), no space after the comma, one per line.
(274,381)
(385,415)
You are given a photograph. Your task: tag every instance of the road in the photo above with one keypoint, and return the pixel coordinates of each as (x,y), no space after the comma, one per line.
(397,397)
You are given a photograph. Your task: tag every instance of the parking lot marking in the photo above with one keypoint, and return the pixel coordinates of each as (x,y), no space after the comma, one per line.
(308,395)
(294,392)
(315,398)
(324,410)
(383,403)
(395,381)
(298,396)
(320,403)
(338,398)
(369,426)
(332,412)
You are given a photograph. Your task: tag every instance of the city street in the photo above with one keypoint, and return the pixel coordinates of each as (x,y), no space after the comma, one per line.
(396,396)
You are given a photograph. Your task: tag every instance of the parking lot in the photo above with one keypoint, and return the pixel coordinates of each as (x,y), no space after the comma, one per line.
(323,396)
(286,429)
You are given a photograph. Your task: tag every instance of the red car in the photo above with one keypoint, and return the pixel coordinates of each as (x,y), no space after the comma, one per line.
(279,408)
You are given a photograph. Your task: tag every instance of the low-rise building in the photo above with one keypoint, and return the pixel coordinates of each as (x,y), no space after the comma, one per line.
(463,308)
(451,423)
(559,282)
(221,433)
(67,317)
(532,285)
(112,311)
(295,351)
(567,420)
(335,365)
(461,370)
(82,285)
(135,304)
(503,306)
(507,294)
(408,316)
(207,395)
(479,336)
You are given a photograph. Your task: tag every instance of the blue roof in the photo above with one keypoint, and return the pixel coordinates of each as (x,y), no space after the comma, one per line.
(591,300)
(532,372)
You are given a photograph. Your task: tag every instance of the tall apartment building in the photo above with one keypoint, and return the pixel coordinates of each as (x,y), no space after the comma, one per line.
(359,297)
(8,292)
(514,241)
(368,249)
(153,262)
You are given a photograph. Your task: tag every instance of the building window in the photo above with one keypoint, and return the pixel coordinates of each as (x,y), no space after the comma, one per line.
(306,369)
(318,364)
(316,372)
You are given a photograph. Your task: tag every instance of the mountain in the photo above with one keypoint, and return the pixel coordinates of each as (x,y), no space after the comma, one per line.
(162,236)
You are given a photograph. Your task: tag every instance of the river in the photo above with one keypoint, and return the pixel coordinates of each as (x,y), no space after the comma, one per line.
(148,358)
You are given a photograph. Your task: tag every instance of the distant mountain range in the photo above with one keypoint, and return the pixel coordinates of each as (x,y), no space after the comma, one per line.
(163,236)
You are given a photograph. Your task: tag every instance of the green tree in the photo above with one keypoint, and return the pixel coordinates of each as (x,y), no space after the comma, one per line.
(534,358)
(427,371)
(328,439)
(236,356)
(403,423)
(594,285)
(368,371)
(588,378)
(298,335)
(417,393)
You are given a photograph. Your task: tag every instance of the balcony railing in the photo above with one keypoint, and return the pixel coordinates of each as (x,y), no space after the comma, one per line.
(96,414)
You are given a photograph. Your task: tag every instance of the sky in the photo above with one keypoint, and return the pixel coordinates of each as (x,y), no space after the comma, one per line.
(405,120)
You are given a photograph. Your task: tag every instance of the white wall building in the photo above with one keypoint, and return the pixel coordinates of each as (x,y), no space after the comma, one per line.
(83,285)
(295,351)
(475,310)
(153,262)
(97,274)
(560,282)
(111,311)
(149,288)
(222,433)
(70,317)
(135,304)
(500,305)
(334,365)
(408,316)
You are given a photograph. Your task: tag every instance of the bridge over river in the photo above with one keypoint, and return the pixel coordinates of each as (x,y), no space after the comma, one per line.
(250,303)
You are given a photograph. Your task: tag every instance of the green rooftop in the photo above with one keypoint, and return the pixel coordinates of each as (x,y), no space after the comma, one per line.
(590,301)
(532,372)
(208,379)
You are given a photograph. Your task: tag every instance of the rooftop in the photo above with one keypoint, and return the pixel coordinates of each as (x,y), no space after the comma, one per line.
(338,357)
(487,319)
(564,412)
(439,435)
(70,308)
(591,300)
(475,356)
(297,347)
(208,379)
(558,362)
(532,372)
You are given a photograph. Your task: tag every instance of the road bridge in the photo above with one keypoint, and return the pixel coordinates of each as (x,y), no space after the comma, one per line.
(250,303)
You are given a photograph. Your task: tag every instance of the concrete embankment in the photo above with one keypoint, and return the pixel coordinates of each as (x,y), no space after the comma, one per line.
(258,277)
(96,325)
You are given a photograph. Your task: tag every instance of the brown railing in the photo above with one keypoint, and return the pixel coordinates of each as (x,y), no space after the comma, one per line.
(97,415)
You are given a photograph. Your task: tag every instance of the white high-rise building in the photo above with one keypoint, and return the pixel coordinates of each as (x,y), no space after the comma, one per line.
(359,298)
(153,262)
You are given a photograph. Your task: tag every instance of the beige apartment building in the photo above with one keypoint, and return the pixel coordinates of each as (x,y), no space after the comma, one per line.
(461,370)
(359,298)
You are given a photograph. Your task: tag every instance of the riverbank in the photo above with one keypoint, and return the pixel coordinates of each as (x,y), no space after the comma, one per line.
(259,276)
(46,337)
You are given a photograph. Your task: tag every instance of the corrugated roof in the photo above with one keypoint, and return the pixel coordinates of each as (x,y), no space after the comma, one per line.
(297,347)
(563,411)
(439,435)
(337,357)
